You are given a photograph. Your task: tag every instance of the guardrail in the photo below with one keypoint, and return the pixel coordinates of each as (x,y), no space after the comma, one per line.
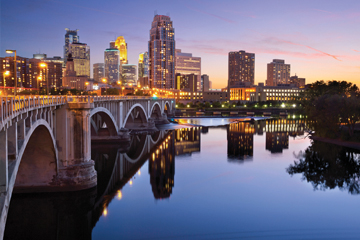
(11,106)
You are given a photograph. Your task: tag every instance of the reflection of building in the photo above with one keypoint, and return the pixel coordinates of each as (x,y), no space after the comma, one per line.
(187,140)
(241,69)
(240,137)
(278,132)
(162,53)
(98,71)
(162,168)
(129,74)
(277,73)
(186,64)
(112,64)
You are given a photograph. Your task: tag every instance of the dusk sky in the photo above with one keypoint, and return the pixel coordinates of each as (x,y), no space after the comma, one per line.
(320,39)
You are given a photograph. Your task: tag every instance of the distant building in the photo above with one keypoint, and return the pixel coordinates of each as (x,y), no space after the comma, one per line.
(299,82)
(112,64)
(122,46)
(186,82)
(241,69)
(277,73)
(70,37)
(81,56)
(71,79)
(129,74)
(98,71)
(143,70)
(53,66)
(162,53)
(205,83)
(187,64)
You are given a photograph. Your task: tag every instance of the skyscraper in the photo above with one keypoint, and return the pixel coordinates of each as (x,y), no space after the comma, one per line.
(70,37)
(122,46)
(98,71)
(81,57)
(129,74)
(143,70)
(241,69)
(112,64)
(162,53)
(277,73)
(187,64)
(205,83)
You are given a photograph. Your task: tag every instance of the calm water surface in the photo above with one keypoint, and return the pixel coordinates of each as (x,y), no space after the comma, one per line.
(239,181)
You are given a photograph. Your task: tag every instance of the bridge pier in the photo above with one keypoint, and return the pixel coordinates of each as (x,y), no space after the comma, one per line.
(4,179)
(76,169)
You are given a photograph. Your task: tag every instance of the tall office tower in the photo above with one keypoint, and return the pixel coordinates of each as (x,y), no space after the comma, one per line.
(143,66)
(205,83)
(187,64)
(277,73)
(122,46)
(112,64)
(129,74)
(98,71)
(162,53)
(241,69)
(81,56)
(70,37)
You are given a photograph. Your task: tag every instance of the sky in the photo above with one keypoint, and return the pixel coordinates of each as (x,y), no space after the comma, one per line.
(319,38)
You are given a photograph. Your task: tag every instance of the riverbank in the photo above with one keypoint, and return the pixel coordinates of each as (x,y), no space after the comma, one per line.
(339,142)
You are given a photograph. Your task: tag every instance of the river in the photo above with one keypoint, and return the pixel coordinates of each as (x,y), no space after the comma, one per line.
(213,179)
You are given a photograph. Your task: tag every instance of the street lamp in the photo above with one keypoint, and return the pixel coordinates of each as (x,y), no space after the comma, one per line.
(44,65)
(15,68)
(104,80)
(6,73)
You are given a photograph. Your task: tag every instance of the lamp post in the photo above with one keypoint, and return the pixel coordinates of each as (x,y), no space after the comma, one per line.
(15,68)
(6,73)
(44,65)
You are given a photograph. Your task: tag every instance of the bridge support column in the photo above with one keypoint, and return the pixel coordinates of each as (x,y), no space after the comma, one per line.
(76,169)
(13,141)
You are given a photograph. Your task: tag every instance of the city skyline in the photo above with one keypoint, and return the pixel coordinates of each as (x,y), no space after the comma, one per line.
(316,38)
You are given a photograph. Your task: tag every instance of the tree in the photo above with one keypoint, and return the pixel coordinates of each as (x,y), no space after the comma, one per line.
(112,91)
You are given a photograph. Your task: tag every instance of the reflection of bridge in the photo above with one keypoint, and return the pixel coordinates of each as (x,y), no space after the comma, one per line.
(115,167)
(51,137)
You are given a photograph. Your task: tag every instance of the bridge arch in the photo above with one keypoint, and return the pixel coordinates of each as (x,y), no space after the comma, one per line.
(156,111)
(137,114)
(36,166)
(101,115)
(167,108)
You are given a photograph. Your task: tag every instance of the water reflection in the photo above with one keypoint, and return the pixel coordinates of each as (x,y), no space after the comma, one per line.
(74,215)
(328,166)
(162,168)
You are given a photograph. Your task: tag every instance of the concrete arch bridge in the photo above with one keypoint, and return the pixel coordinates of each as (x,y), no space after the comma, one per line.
(45,141)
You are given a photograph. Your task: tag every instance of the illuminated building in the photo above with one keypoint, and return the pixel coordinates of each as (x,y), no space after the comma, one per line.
(53,71)
(240,138)
(162,53)
(98,71)
(284,92)
(205,83)
(215,96)
(298,82)
(112,64)
(70,78)
(70,37)
(186,64)
(143,70)
(242,94)
(122,46)
(81,57)
(129,74)
(277,73)
(186,82)
(241,69)
(187,140)
(162,168)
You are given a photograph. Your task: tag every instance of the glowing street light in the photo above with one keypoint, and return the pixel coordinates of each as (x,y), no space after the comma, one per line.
(15,68)
(104,80)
